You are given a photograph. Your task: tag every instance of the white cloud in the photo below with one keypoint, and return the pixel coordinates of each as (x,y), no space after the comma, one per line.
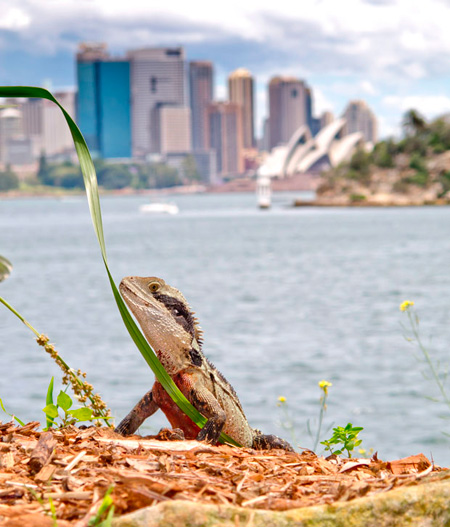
(374,47)
(414,70)
(14,19)
(413,40)
(378,40)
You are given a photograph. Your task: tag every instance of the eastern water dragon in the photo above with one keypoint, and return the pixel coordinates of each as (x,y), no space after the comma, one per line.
(170,327)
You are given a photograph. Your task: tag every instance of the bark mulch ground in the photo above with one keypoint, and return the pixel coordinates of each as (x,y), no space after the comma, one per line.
(71,470)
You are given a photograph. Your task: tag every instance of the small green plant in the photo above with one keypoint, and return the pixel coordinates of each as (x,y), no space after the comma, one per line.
(105,512)
(346,437)
(64,402)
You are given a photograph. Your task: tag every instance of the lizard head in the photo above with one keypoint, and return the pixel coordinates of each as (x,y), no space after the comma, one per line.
(162,312)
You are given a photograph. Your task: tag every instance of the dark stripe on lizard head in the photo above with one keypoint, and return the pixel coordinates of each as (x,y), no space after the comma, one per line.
(179,311)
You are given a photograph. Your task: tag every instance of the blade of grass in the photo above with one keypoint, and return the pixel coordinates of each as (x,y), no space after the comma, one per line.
(21,423)
(49,400)
(90,182)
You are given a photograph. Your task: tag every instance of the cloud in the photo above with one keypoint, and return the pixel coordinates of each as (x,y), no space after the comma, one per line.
(353,49)
(376,39)
(13,19)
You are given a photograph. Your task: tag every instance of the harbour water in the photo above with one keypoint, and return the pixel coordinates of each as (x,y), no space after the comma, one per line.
(286,297)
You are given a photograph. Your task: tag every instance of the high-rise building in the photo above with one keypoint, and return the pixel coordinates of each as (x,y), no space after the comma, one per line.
(360,118)
(32,117)
(241,91)
(103,110)
(56,137)
(288,108)
(201,87)
(157,79)
(11,130)
(171,119)
(225,137)
(326,118)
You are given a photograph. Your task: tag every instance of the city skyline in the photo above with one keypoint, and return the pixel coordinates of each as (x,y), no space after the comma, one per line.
(391,53)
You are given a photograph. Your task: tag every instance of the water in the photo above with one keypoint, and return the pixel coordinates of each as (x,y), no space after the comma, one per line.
(286,297)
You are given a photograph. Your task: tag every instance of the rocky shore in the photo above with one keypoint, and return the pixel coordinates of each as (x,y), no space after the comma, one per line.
(405,184)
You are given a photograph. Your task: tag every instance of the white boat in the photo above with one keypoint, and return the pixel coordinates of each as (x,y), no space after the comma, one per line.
(159,208)
(263,192)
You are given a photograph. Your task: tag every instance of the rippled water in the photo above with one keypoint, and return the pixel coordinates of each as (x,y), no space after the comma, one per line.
(286,297)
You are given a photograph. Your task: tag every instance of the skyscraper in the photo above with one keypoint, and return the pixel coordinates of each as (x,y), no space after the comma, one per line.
(326,118)
(288,108)
(103,111)
(360,118)
(201,78)
(157,79)
(175,118)
(225,136)
(240,91)
(56,137)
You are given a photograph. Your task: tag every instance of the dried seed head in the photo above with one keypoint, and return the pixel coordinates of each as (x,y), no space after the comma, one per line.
(42,340)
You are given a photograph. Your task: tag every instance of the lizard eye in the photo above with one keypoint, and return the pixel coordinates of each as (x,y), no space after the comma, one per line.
(154,286)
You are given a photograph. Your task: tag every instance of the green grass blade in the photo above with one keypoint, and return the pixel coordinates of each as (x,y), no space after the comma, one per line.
(90,181)
(5,268)
(21,423)
(49,400)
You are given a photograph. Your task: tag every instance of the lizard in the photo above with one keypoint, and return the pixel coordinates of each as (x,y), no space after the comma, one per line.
(172,330)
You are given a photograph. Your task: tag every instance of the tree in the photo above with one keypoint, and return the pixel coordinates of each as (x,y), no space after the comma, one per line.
(361,161)
(440,135)
(73,179)
(414,123)
(43,173)
(382,155)
(62,175)
(8,180)
(189,169)
(115,176)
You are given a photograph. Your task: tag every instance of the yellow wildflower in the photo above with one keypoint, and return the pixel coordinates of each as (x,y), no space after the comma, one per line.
(324,385)
(405,305)
(282,399)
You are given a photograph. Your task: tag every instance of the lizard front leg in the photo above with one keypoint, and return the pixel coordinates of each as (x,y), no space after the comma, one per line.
(143,409)
(205,402)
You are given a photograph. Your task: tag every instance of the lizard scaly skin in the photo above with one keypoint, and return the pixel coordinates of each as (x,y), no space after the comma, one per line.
(172,330)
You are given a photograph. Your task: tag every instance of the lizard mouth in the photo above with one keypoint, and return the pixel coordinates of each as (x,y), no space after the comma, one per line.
(134,295)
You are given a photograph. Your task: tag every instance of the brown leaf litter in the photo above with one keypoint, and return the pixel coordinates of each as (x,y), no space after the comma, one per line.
(75,468)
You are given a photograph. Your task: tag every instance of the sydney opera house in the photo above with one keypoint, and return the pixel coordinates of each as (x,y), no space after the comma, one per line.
(306,154)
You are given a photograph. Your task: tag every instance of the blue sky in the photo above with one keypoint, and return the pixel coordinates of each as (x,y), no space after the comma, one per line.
(395,54)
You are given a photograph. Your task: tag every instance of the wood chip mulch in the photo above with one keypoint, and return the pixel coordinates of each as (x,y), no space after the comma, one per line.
(75,468)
